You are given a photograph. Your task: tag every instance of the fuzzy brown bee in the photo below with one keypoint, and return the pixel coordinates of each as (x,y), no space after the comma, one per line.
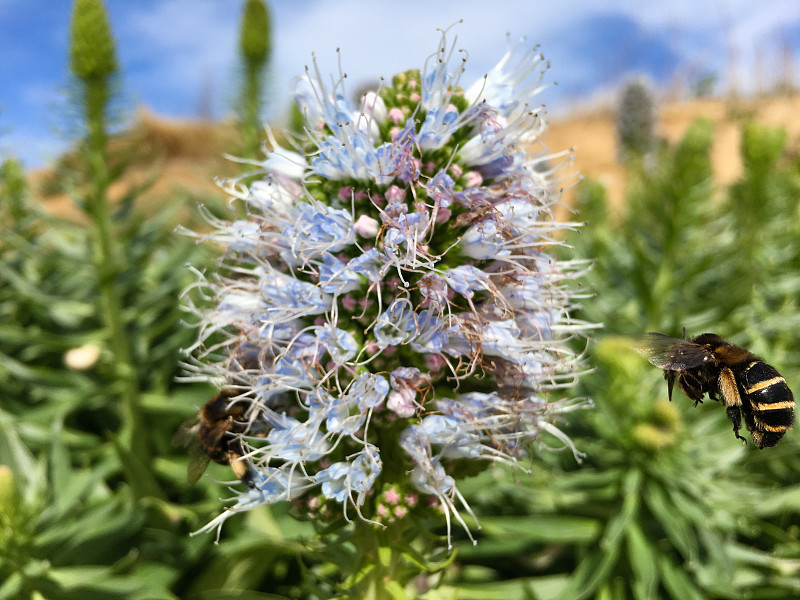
(213,436)
(743,382)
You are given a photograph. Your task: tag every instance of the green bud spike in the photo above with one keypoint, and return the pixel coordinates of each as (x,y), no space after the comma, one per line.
(92,53)
(255,42)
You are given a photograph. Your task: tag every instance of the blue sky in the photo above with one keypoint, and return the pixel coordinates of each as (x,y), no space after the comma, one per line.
(179,56)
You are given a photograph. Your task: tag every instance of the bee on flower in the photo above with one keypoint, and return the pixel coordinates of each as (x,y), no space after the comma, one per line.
(393,276)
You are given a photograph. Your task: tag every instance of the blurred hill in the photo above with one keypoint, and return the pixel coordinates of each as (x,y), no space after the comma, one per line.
(181,158)
(593,135)
(177,159)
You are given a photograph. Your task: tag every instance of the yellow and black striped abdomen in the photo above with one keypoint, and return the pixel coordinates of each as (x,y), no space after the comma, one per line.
(771,403)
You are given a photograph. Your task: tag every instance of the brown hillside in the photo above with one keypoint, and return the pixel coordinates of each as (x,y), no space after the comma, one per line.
(593,135)
(185,156)
(178,158)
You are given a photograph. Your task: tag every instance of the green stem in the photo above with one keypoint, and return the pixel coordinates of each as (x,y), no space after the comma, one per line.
(380,560)
(251,123)
(107,262)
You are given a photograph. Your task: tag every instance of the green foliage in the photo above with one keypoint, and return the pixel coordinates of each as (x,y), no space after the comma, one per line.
(661,248)
(667,503)
(703,85)
(65,533)
(83,507)
(14,188)
(686,255)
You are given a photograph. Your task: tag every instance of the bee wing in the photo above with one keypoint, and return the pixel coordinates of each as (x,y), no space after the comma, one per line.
(669,353)
(198,463)
(187,432)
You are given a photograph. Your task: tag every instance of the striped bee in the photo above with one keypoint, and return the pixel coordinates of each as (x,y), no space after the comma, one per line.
(215,432)
(743,382)
(211,435)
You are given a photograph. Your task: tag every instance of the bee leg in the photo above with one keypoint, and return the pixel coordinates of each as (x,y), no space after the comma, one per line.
(670,377)
(732,400)
(690,386)
(239,464)
(735,415)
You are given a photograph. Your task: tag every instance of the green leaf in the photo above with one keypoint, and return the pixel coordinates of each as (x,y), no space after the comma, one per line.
(358,576)
(101,582)
(138,475)
(676,582)
(72,490)
(14,454)
(395,590)
(676,528)
(642,558)
(11,587)
(545,588)
(591,572)
(754,556)
(630,505)
(60,463)
(95,534)
(238,595)
(780,501)
(553,528)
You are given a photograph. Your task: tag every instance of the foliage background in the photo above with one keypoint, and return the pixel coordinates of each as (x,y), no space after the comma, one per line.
(667,503)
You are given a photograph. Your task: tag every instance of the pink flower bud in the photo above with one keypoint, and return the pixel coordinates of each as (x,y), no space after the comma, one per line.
(395,194)
(366,226)
(396,116)
(474,179)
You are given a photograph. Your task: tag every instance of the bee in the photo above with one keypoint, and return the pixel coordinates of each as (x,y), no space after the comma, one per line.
(212,435)
(742,381)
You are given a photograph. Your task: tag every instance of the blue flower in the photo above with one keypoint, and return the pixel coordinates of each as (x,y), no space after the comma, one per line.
(337,277)
(289,296)
(437,128)
(397,259)
(317,229)
(369,264)
(485,241)
(395,326)
(351,480)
